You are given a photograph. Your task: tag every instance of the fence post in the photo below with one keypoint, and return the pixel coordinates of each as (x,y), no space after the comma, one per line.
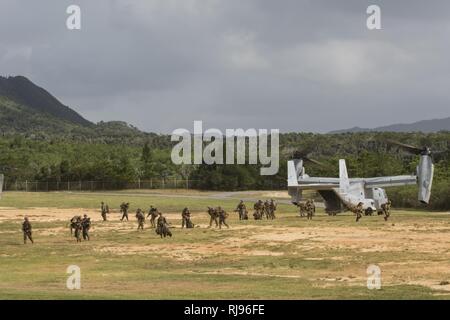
(175,180)
(68,185)
(162,183)
(80,185)
(92,186)
(47,185)
(151,183)
(139,183)
(187,183)
(26,185)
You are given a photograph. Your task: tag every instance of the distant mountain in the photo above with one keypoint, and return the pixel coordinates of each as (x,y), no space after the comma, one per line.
(425,126)
(29,110)
(24,92)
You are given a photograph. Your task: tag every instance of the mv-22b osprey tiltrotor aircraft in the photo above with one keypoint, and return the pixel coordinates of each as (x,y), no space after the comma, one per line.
(345,192)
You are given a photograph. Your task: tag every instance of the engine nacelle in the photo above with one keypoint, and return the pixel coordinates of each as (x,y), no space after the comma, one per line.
(425,171)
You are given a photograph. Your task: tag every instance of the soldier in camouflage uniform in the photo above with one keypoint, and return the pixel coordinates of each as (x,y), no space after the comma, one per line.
(140,218)
(26,229)
(153,214)
(104,209)
(272,209)
(309,209)
(258,207)
(86,225)
(386,207)
(222,217)
(78,229)
(266,209)
(124,210)
(162,228)
(358,210)
(72,223)
(242,210)
(213,217)
(185,216)
(303,209)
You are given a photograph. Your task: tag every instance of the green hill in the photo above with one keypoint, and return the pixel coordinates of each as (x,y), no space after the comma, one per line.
(25,93)
(29,110)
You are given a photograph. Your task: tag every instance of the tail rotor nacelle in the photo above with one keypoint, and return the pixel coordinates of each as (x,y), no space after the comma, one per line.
(425,171)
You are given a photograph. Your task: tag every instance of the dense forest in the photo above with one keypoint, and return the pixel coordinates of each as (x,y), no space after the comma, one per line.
(44,158)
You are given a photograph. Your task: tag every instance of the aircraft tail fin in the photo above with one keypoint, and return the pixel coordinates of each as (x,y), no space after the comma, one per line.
(344,182)
(295,170)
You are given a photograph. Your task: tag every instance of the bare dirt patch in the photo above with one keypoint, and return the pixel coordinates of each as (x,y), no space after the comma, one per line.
(179,253)
(275,194)
(46,214)
(363,239)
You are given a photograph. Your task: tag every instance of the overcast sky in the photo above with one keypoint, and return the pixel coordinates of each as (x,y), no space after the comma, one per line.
(289,64)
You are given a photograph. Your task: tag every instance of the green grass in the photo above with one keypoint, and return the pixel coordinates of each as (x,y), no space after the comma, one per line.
(92,200)
(247,261)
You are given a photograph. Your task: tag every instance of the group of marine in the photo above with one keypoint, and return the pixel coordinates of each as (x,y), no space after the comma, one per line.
(358,210)
(157,220)
(217,215)
(79,226)
(307,208)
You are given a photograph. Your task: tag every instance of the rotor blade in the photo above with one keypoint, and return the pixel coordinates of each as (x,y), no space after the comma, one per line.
(300,154)
(303,154)
(407,147)
(313,161)
(295,153)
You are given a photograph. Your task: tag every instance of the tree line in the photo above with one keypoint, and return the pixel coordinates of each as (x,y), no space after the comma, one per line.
(121,160)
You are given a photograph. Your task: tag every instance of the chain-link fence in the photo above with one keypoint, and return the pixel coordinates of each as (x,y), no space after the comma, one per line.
(35,186)
(167,183)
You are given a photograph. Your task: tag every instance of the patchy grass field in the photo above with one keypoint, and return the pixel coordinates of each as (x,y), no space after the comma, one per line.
(288,258)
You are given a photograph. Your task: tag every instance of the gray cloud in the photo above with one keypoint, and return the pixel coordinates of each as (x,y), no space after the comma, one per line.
(290,64)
